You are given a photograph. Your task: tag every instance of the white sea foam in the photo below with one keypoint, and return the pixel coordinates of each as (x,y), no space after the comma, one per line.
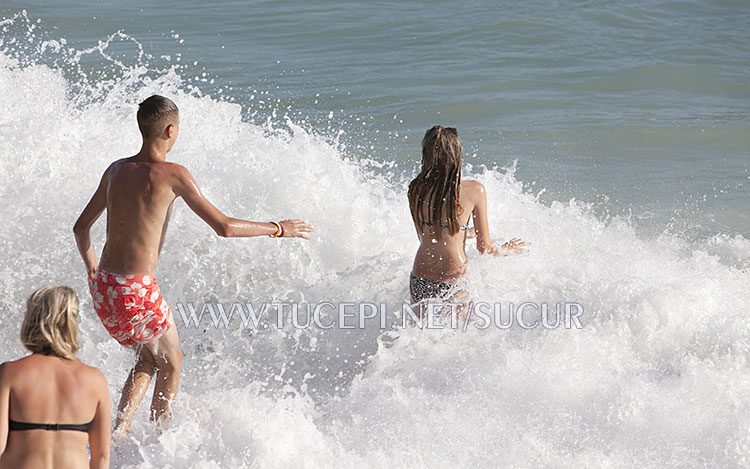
(657,377)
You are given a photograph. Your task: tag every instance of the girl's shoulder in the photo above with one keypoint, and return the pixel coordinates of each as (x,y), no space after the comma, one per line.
(43,363)
(12,369)
(471,187)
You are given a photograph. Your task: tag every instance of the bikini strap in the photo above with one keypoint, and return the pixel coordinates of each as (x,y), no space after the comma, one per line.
(22,426)
(461,227)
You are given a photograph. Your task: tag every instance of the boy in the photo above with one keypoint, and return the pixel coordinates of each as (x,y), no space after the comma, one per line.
(138,194)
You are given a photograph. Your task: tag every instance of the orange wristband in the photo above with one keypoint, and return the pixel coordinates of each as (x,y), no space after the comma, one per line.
(279,230)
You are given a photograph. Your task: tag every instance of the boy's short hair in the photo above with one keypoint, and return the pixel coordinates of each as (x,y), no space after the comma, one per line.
(154,114)
(50,326)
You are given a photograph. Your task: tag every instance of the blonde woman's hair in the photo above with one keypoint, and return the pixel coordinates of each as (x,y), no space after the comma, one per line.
(50,326)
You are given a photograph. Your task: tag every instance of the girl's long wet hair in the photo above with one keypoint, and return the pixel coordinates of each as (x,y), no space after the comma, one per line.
(436,188)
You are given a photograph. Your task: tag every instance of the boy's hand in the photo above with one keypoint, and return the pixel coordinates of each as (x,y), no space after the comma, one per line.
(296,229)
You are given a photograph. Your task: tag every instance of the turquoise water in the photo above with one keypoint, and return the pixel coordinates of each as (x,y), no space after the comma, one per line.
(640,107)
(613,136)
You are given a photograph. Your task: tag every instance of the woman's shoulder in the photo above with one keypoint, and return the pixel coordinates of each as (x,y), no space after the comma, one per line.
(43,362)
(34,369)
(13,365)
(13,368)
(471,187)
(88,372)
(90,376)
(94,375)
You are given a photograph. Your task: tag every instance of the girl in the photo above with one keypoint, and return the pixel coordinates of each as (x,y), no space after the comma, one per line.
(441,205)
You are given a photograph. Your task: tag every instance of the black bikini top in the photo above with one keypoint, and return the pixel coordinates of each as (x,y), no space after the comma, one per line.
(20,426)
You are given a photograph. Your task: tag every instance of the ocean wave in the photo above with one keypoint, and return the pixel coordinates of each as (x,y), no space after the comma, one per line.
(657,376)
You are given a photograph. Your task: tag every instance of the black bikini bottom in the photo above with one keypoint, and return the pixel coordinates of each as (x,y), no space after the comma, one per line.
(422,288)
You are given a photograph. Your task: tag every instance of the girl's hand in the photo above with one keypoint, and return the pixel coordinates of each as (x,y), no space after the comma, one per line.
(514,246)
(493,249)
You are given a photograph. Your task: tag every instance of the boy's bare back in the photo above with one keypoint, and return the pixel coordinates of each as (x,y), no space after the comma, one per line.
(139,200)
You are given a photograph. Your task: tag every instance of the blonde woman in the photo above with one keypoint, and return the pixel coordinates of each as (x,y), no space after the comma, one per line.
(51,404)
(441,206)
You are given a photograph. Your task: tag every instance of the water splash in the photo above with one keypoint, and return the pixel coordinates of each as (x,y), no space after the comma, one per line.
(657,377)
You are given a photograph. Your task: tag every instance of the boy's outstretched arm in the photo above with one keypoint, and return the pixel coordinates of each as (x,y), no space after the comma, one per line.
(225,226)
(82,227)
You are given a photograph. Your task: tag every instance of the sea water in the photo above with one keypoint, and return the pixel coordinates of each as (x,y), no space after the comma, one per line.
(613,137)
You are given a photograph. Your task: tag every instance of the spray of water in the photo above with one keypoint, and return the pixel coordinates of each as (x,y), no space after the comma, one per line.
(658,375)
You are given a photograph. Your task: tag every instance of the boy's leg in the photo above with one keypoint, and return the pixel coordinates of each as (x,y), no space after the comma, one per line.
(134,389)
(167,355)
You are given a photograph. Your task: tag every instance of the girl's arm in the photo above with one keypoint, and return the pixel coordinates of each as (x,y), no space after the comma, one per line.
(4,408)
(99,434)
(485,245)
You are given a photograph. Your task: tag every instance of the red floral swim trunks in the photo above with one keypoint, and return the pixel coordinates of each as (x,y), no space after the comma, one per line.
(130,306)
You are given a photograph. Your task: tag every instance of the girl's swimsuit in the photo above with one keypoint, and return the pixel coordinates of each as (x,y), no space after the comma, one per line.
(20,426)
(424,288)
(130,306)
